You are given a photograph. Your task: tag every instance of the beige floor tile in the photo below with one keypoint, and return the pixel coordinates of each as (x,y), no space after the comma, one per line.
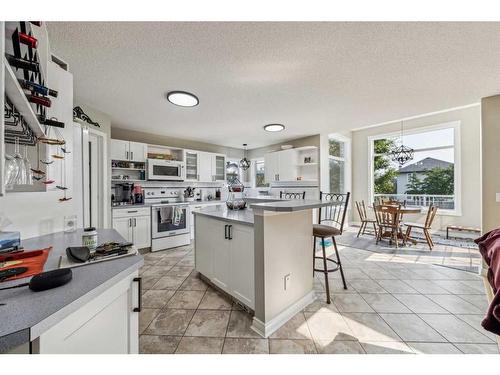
(455,304)
(170,322)
(169,282)
(213,300)
(433,348)
(320,304)
(295,328)
(351,303)
(146,316)
(367,286)
(454,329)
(209,323)
(156,298)
(149,281)
(239,325)
(167,262)
(478,300)
(194,283)
(475,322)
(328,346)
(369,327)
(200,345)
(455,287)
(291,346)
(245,346)
(329,326)
(396,286)
(478,348)
(157,271)
(150,344)
(411,328)
(386,347)
(420,304)
(185,299)
(385,303)
(425,287)
(180,271)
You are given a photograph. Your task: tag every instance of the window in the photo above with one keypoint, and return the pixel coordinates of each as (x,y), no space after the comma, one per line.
(259,174)
(430,178)
(336,163)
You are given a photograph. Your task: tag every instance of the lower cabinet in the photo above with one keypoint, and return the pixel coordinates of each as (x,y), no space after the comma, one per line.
(224,253)
(134,225)
(108,324)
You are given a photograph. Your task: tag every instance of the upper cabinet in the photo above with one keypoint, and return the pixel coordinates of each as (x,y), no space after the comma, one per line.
(205,166)
(291,165)
(218,167)
(130,151)
(192,159)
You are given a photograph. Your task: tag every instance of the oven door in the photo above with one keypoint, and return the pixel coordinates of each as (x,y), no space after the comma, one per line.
(165,170)
(169,220)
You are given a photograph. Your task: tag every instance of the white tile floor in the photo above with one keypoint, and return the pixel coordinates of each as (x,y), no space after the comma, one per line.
(394,304)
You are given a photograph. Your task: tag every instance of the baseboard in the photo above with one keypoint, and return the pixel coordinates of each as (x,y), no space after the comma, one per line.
(267,329)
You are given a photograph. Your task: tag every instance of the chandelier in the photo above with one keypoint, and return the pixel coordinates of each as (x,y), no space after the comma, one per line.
(245,163)
(402,154)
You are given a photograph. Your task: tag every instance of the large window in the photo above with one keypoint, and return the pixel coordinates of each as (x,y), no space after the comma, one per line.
(337,165)
(430,178)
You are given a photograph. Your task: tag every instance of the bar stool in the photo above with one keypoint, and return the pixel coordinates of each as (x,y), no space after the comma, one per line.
(331,223)
(285,195)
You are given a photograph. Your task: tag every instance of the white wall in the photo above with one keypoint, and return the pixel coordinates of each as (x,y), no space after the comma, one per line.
(470,145)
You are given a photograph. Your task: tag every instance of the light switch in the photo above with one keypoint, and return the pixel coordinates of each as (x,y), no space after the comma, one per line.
(287,279)
(498,197)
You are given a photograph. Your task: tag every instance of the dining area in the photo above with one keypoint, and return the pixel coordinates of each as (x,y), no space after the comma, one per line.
(389,223)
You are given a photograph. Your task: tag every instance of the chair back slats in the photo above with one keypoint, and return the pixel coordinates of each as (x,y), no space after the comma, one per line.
(335,213)
(360,206)
(430,216)
(388,215)
(288,195)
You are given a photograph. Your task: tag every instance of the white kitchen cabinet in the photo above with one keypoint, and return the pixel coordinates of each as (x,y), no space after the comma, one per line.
(205,167)
(271,166)
(218,167)
(123,226)
(192,159)
(224,253)
(108,324)
(129,151)
(134,224)
(281,166)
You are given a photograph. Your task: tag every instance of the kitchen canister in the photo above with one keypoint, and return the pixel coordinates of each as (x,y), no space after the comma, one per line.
(89,238)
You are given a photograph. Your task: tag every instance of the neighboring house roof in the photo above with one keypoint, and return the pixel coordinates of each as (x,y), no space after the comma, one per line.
(424,165)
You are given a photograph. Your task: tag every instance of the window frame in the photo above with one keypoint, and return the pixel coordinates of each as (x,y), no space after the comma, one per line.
(346,159)
(455,125)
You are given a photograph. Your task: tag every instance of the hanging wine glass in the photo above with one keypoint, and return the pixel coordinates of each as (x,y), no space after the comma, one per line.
(28,179)
(21,172)
(38,173)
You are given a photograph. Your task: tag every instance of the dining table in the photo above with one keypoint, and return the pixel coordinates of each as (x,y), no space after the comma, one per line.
(404,211)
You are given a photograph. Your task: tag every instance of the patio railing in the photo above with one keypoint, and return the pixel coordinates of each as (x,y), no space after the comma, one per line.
(444,202)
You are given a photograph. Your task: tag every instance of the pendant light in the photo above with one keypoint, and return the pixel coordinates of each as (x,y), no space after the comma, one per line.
(245,163)
(402,154)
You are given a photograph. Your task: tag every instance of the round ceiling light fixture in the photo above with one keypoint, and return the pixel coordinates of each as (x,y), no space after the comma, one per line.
(182,98)
(274,127)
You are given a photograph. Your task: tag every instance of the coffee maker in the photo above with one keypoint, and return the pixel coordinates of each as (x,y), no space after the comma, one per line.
(138,194)
(123,194)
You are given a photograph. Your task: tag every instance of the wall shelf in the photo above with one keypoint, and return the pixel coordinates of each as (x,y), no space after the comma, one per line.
(306,164)
(16,95)
(128,169)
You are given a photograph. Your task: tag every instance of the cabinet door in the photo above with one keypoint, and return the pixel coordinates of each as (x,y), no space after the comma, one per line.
(204,229)
(221,257)
(287,166)
(123,226)
(271,166)
(142,231)
(242,264)
(192,165)
(219,167)
(205,172)
(138,152)
(119,149)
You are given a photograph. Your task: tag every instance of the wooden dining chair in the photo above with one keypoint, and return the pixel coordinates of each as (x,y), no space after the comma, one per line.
(288,195)
(425,227)
(393,202)
(363,216)
(389,223)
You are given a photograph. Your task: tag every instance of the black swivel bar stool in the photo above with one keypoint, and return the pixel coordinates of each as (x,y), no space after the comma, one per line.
(331,223)
(285,195)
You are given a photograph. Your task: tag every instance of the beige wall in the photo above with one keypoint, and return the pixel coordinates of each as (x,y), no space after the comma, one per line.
(490,121)
(136,136)
(470,162)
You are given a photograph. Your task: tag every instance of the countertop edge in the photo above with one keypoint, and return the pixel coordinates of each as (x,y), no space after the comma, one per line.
(216,217)
(39,328)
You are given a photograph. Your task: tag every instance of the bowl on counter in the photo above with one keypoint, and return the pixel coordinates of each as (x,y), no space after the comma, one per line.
(236,204)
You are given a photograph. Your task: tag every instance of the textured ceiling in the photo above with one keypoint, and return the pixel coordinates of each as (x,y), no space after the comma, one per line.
(312,77)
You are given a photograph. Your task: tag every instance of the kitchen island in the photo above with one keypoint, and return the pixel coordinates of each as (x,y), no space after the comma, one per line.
(96,312)
(261,256)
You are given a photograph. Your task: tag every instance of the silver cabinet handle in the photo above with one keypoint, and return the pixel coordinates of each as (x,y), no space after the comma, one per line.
(135,222)
(129,222)
(230,232)
(126,153)
(131,155)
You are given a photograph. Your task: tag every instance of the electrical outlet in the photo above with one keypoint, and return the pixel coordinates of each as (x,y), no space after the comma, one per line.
(287,281)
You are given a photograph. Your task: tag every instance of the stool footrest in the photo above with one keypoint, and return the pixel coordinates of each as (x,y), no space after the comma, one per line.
(329,269)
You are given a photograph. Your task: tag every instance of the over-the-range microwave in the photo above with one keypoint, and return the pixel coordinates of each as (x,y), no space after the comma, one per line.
(170,170)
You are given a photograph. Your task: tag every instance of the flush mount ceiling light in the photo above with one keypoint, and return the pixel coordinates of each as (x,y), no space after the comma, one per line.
(182,98)
(274,127)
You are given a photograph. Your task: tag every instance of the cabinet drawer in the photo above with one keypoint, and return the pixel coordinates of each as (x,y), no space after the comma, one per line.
(131,212)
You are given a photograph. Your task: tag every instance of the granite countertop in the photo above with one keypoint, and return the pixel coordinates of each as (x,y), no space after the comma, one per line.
(291,205)
(25,315)
(223,213)
(139,205)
